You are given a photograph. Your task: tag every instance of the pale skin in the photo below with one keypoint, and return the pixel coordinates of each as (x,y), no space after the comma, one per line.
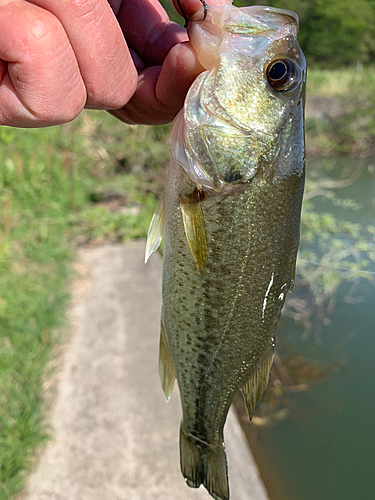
(60,56)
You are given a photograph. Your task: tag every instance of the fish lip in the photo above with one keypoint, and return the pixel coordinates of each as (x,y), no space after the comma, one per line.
(280,12)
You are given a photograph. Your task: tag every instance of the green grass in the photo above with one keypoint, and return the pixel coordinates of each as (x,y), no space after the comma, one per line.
(338,82)
(352,131)
(91,180)
(34,255)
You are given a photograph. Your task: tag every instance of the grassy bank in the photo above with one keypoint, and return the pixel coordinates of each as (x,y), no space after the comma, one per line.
(338,82)
(350,130)
(84,182)
(92,180)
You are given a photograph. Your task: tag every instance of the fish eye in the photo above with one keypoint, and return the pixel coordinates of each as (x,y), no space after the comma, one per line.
(283,75)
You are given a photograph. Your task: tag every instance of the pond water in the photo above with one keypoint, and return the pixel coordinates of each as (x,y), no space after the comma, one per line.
(326,449)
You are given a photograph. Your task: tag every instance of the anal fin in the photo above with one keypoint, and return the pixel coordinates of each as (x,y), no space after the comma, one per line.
(254,388)
(167,372)
(195,231)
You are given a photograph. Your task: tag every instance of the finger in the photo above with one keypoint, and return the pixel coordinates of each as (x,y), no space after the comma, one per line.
(148,29)
(189,6)
(40,79)
(103,58)
(161,90)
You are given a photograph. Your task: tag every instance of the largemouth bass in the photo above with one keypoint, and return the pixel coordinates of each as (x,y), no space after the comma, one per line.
(230,217)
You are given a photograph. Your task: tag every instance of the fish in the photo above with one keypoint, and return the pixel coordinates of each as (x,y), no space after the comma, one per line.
(230,218)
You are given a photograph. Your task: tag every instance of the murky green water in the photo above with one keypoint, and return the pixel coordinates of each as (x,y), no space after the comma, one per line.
(326,451)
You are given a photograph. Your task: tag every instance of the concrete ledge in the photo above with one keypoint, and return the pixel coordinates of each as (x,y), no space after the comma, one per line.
(114,436)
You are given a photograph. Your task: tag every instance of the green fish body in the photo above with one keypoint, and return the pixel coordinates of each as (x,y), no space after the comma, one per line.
(230,218)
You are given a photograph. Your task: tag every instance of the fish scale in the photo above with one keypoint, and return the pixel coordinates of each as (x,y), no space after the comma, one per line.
(230,217)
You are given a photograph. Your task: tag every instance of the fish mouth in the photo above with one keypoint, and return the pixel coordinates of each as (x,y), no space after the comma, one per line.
(272,18)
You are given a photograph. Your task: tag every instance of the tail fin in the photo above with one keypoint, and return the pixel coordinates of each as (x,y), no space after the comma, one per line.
(191,460)
(216,473)
(204,464)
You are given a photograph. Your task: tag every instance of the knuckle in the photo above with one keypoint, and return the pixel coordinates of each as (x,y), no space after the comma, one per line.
(42,29)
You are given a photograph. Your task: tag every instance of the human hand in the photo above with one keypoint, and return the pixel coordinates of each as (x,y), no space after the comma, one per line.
(166,75)
(58,56)
(166,62)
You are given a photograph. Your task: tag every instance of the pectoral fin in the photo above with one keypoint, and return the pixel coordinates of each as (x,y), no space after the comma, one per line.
(167,372)
(156,229)
(254,388)
(195,231)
